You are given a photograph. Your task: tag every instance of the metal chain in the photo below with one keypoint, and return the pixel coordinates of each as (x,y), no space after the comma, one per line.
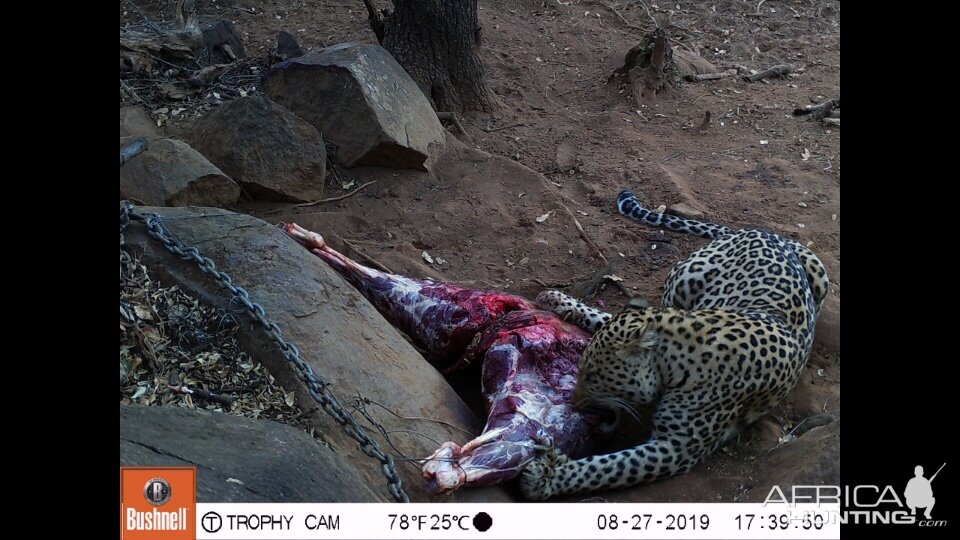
(316,386)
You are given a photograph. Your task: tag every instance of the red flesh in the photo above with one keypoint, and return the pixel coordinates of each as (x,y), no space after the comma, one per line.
(530,360)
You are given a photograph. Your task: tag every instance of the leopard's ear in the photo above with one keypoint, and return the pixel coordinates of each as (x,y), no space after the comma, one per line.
(637,302)
(639,340)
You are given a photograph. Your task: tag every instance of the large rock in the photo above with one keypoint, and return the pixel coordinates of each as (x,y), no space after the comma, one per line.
(271,152)
(239,459)
(359,97)
(134,122)
(171,173)
(337,331)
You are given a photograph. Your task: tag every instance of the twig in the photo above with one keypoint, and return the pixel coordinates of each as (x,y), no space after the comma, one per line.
(710,76)
(130,92)
(820,110)
(452,117)
(202,394)
(132,150)
(491,130)
(831,121)
(776,71)
(621,17)
(672,157)
(583,235)
(366,257)
(145,19)
(320,201)
(645,8)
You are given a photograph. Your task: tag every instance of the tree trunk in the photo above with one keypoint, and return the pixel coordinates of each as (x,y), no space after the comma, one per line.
(436,41)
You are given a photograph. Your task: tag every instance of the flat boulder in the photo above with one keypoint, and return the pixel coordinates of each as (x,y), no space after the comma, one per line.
(134,122)
(171,173)
(338,332)
(240,460)
(271,152)
(360,98)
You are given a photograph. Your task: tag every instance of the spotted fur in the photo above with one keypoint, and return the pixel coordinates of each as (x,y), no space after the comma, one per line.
(731,340)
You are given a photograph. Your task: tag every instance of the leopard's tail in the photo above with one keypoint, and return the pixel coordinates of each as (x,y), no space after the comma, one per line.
(630,207)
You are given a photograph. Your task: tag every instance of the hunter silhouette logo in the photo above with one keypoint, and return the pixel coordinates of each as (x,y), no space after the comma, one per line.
(919,493)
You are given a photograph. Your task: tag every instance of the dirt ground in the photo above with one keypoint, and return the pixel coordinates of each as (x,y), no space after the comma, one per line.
(549,62)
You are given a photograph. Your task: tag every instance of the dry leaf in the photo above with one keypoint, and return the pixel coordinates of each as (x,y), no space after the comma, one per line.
(544,217)
(613,277)
(288,399)
(661,209)
(234,481)
(426,256)
(806,154)
(143,313)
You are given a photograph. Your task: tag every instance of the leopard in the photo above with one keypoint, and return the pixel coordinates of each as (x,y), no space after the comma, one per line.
(729,341)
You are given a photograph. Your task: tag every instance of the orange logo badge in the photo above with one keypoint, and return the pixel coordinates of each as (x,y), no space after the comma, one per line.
(158,503)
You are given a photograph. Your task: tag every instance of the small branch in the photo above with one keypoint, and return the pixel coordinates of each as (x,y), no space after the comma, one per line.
(144,15)
(132,150)
(621,17)
(820,110)
(321,201)
(365,257)
(492,130)
(645,8)
(583,235)
(202,394)
(776,71)
(710,76)
(832,121)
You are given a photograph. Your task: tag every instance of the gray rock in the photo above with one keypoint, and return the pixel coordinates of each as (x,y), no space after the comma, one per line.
(239,459)
(359,97)
(271,152)
(134,122)
(171,173)
(336,330)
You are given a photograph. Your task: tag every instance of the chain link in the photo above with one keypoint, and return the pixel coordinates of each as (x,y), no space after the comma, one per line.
(316,386)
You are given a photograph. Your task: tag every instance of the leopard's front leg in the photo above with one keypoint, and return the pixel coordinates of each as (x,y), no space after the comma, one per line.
(684,436)
(573,310)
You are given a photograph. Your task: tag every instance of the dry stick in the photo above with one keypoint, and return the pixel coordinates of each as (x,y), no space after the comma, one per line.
(831,121)
(320,201)
(130,92)
(583,234)
(776,71)
(645,8)
(145,19)
(365,257)
(202,394)
(452,117)
(820,110)
(617,13)
(491,130)
(710,76)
